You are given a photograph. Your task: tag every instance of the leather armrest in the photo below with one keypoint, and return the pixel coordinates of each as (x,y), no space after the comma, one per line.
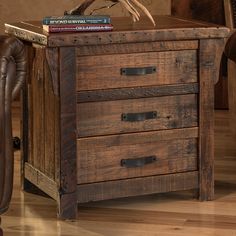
(13,68)
(230,47)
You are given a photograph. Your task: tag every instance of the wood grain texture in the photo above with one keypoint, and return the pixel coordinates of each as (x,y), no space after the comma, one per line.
(229,15)
(92,50)
(125,31)
(102,118)
(51,98)
(143,31)
(67,208)
(37,110)
(136,92)
(43,106)
(172,67)
(26,128)
(42,181)
(133,187)
(104,142)
(96,164)
(41,113)
(209,71)
(52,58)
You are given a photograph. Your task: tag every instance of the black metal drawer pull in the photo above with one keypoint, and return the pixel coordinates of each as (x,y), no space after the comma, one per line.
(138,162)
(138,71)
(132,117)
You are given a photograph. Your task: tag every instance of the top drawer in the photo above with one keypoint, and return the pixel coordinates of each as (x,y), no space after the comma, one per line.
(108,71)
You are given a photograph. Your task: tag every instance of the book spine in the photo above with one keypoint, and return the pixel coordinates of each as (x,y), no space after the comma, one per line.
(79,28)
(98,20)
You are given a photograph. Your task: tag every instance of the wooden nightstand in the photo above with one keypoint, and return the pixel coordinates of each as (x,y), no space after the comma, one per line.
(122,113)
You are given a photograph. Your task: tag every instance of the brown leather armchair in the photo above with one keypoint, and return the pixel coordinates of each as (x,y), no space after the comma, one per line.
(230,47)
(13,67)
(230,52)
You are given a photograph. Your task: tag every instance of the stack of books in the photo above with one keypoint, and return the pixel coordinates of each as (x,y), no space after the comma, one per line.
(77,23)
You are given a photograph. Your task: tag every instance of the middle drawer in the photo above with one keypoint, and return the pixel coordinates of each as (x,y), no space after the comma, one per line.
(137,115)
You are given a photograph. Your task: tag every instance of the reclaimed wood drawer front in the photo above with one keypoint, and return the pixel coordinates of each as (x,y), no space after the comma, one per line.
(105,71)
(136,115)
(136,155)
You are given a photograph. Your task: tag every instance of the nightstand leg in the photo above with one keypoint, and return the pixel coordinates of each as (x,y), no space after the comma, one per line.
(210,57)
(67,207)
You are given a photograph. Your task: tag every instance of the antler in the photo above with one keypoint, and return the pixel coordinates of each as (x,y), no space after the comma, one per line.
(129,5)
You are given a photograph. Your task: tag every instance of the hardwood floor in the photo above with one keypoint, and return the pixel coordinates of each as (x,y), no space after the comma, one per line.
(160,214)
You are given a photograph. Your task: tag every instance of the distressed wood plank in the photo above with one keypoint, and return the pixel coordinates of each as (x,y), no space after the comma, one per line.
(42,181)
(104,142)
(137,186)
(210,54)
(67,203)
(109,148)
(172,156)
(52,57)
(26,120)
(168,28)
(172,67)
(102,118)
(132,93)
(111,49)
(38,106)
(50,75)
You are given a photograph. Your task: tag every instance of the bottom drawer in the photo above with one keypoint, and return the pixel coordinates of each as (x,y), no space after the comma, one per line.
(136,155)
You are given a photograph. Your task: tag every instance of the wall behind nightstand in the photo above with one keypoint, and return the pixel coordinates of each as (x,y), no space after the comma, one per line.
(12,10)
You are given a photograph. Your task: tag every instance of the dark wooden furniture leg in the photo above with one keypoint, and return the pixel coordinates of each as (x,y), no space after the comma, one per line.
(12,75)
(67,205)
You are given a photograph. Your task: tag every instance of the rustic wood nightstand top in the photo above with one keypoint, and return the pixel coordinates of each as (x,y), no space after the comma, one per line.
(125,31)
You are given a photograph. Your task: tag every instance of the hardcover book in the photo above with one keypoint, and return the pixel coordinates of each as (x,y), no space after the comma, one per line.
(77,28)
(76,19)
